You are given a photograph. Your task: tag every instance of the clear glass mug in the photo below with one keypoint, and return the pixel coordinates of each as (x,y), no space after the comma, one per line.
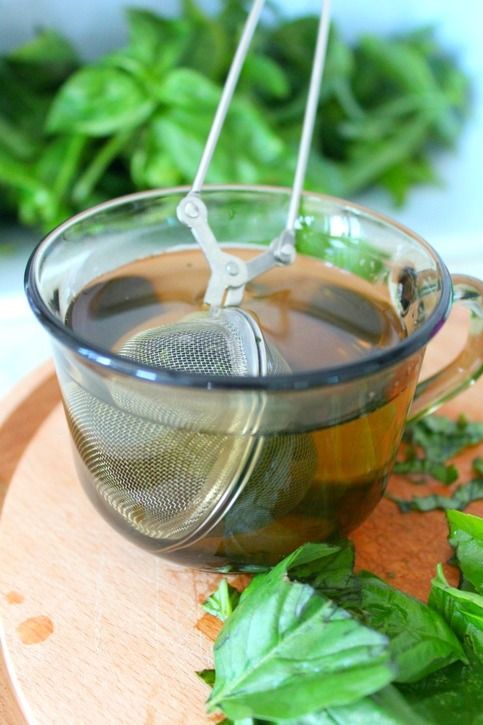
(233,473)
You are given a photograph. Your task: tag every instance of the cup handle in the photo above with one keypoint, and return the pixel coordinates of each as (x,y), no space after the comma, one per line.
(467,367)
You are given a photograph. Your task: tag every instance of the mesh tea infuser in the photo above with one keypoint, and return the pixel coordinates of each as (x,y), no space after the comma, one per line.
(152,462)
(247,353)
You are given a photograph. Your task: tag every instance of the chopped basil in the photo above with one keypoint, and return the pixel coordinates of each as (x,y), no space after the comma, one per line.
(312,642)
(460,498)
(430,442)
(435,469)
(441,438)
(478,465)
(207,676)
(223,601)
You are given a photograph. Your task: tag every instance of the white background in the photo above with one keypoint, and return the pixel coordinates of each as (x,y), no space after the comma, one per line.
(449,217)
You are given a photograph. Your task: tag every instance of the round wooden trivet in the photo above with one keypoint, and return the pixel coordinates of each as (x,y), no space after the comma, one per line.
(96,630)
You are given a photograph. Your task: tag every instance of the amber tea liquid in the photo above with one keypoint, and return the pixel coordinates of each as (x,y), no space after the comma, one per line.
(316,316)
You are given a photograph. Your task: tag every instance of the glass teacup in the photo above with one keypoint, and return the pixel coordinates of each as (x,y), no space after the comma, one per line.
(234,472)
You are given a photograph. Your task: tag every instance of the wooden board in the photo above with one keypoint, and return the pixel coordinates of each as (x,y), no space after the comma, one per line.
(21,413)
(98,631)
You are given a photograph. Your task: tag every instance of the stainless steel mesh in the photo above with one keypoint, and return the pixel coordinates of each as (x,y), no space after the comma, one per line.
(200,343)
(284,469)
(160,467)
(164,481)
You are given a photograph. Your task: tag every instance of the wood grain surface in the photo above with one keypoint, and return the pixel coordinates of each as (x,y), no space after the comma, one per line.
(21,413)
(96,630)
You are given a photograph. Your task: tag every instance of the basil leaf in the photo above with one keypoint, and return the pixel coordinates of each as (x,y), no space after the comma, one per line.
(420,640)
(207,676)
(466,537)
(98,166)
(210,48)
(57,168)
(15,141)
(435,469)
(287,651)
(386,707)
(329,570)
(460,498)
(19,175)
(402,64)
(312,560)
(23,104)
(45,61)
(181,146)
(399,179)
(150,165)
(98,102)
(478,465)
(290,42)
(187,88)
(156,41)
(462,610)
(262,144)
(35,200)
(339,67)
(59,165)
(453,695)
(441,438)
(266,76)
(223,601)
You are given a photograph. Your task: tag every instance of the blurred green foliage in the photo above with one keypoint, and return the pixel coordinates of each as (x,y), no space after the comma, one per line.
(72,135)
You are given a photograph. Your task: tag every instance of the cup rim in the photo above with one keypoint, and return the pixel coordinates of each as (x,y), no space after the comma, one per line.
(370,364)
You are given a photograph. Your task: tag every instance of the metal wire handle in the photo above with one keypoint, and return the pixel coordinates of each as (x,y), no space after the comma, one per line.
(229,274)
(227,94)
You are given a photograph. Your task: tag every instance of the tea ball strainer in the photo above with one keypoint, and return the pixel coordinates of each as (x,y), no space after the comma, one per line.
(154,464)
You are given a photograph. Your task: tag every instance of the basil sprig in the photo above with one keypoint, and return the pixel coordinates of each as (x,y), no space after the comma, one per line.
(430,443)
(73,134)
